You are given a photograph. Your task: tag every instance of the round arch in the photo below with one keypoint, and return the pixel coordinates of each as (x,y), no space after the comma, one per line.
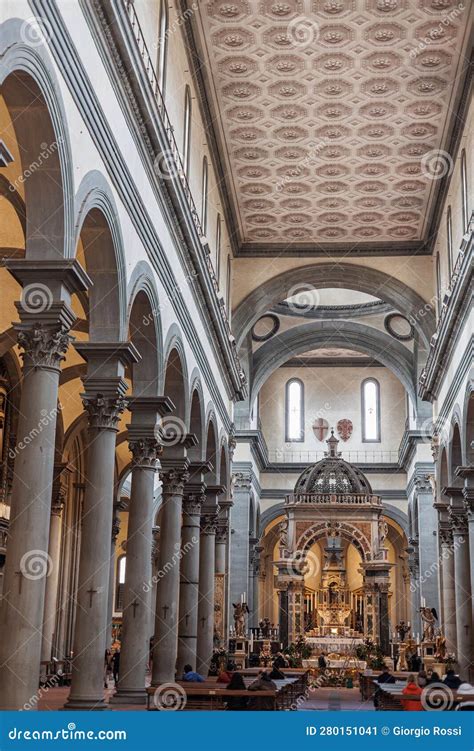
(175,381)
(27,78)
(338,275)
(346,530)
(142,283)
(317,334)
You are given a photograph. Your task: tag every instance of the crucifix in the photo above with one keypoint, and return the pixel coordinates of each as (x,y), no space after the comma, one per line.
(91,592)
(203,621)
(20,574)
(134,605)
(165,609)
(186,618)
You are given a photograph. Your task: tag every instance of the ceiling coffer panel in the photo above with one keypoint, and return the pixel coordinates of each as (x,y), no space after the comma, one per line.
(333,113)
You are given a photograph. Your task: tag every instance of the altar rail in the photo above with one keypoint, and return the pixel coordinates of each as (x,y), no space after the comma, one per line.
(325,499)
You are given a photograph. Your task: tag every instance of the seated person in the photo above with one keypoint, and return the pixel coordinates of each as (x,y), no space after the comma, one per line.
(322,662)
(236,703)
(385,676)
(433,677)
(452,680)
(280,661)
(276,674)
(191,676)
(412,689)
(225,676)
(422,679)
(263,683)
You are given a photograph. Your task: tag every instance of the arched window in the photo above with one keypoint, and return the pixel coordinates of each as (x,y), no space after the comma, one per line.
(449,238)
(121,566)
(218,247)
(370,411)
(205,180)
(438,282)
(162,46)
(294,411)
(187,128)
(464,192)
(228,281)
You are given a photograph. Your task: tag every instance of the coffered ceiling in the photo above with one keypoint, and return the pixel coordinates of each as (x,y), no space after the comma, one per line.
(330,115)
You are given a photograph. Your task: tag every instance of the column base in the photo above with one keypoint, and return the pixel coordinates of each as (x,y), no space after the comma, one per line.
(129,696)
(91,705)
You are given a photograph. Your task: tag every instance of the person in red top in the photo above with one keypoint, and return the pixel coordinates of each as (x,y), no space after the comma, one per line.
(225,676)
(412,689)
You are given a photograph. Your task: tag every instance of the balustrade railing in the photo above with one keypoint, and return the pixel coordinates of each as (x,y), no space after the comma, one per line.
(277,456)
(326,499)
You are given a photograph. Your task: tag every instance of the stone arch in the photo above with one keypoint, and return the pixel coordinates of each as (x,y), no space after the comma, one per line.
(99,242)
(197,424)
(468,425)
(338,275)
(455,451)
(11,194)
(318,334)
(224,463)
(146,373)
(212,446)
(346,530)
(269,515)
(28,78)
(176,378)
(142,282)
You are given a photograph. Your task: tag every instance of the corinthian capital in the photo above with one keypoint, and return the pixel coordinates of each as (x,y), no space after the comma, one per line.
(193,502)
(458,520)
(44,346)
(209,524)
(145,452)
(104,411)
(174,481)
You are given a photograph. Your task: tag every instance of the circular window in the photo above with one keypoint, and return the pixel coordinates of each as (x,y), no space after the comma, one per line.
(265,328)
(399,327)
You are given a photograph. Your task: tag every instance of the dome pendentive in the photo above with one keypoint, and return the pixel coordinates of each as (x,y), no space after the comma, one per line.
(333,475)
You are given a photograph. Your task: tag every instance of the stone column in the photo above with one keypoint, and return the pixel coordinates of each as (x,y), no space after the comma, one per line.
(46,318)
(155,552)
(239,544)
(220,629)
(207,562)
(103,400)
(174,477)
(428,541)
(144,446)
(253,581)
(462,589)
(119,506)
(51,593)
(189,576)
(447,582)
(414,569)
(467,473)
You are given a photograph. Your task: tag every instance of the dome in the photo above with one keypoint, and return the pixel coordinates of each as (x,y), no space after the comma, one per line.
(333,475)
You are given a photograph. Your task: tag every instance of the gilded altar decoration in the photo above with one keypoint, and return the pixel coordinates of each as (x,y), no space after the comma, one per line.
(344,428)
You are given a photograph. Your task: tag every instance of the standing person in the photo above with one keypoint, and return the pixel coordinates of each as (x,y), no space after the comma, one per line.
(412,689)
(107,667)
(116,666)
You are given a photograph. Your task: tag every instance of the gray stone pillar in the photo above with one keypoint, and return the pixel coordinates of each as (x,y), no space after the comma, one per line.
(427,542)
(447,583)
(462,590)
(467,473)
(414,569)
(220,604)
(189,576)
(239,541)
(138,576)
(104,403)
(43,336)
(207,557)
(155,552)
(54,549)
(119,506)
(165,650)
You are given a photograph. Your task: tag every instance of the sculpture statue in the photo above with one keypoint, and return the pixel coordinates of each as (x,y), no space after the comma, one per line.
(429,618)
(283,531)
(240,610)
(441,648)
(402,630)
